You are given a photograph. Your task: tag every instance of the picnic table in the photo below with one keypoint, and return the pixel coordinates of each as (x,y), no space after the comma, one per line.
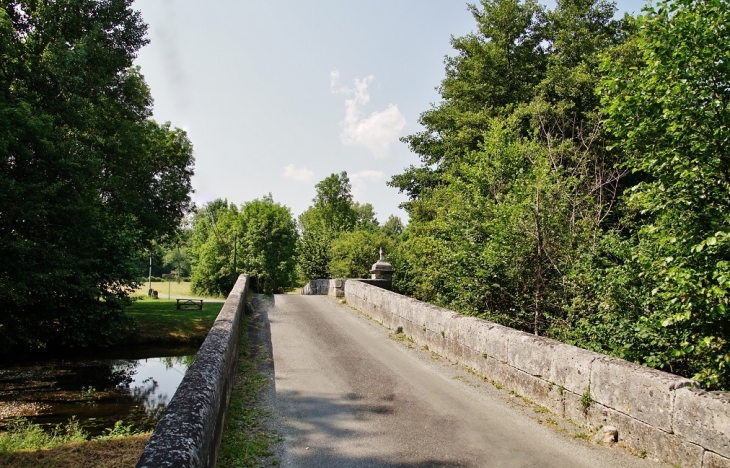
(189,304)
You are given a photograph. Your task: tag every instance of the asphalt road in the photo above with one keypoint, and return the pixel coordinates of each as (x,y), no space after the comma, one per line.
(347,394)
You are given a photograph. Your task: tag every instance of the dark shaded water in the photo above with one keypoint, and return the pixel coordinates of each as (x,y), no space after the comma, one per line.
(133,386)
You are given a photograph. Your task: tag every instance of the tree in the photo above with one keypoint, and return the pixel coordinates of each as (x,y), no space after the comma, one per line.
(393,227)
(494,69)
(516,183)
(670,114)
(268,245)
(332,212)
(354,253)
(87,180)
(258,239)
(215,234)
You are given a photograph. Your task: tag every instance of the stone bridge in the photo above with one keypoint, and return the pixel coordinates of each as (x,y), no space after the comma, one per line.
(368,377)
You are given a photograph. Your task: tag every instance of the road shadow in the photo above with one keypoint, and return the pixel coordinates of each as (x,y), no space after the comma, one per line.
(324,414)
(299,434)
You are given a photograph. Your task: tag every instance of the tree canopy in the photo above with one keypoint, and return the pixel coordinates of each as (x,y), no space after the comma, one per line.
(258,239)
(572,180)
(88,179)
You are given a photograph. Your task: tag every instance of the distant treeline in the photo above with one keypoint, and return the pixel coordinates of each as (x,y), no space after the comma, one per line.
(335,237)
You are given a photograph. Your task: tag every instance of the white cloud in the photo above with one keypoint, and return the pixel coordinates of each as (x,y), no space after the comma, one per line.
(303,174)
(361,179)
(376,131)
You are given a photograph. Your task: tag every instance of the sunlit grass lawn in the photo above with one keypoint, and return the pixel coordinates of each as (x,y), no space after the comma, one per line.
(163,288)
(173,289)
(160,322)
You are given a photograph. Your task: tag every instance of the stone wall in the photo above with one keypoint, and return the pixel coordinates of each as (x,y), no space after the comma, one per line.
(336,287)
(657,414)
(189,433)
(324,287)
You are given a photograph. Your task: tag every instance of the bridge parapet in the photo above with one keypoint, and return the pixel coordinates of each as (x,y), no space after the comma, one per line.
(662,415)
(336,287)
(189,433)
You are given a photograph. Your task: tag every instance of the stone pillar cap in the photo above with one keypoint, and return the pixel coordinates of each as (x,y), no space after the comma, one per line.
(381,266)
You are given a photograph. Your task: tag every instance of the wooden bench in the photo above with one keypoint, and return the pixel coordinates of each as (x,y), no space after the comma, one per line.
(189,304)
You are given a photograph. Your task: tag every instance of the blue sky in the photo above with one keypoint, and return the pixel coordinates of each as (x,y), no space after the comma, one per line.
(277,95)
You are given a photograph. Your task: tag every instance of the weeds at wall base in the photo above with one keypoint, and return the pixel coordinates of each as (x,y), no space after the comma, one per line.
(246,440)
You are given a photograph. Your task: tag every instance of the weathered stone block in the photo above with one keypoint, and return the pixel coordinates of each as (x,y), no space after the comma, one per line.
(640,392)
(467,331)
(571,368)
(704,418)
(535,389)
(406,309)
(472,358)
(498,338)
(713,460)
(531,354)
(643,438)
(574,409)
(497,371)
(607,435)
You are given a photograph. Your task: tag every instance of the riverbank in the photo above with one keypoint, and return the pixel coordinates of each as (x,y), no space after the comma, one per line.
(121,452)
(159,325)
(160,322)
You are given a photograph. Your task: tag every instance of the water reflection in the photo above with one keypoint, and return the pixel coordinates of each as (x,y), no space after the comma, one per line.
(98,392)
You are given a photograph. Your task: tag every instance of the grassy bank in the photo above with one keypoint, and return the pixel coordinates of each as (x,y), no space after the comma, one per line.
(122,452)
(159,322)
(26,445)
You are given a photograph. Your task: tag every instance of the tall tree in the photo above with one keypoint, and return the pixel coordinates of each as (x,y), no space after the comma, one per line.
(332,212)
(268,245)
(494,69)
(216,228)
(515,183)
(87,180)
(258,239)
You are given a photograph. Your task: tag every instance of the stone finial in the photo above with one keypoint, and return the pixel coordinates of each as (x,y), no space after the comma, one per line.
(382,269)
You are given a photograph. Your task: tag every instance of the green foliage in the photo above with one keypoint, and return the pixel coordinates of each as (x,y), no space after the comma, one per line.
(268,245)
(393,227)
(524,210)
(352,254)
(586,400)
(259,239)
(215,235)
(332,213)
(21,434)
(88,179)
(670,112)
(118,431)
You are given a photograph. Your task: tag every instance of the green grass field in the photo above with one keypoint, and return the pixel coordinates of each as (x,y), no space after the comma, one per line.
(160,322)
(173,289)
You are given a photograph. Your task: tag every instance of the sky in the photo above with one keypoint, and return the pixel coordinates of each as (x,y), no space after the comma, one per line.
(277,95)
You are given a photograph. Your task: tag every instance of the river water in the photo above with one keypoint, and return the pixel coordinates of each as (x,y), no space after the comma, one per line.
(132,386)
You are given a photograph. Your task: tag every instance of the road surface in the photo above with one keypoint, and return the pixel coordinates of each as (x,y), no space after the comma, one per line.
(349,393)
